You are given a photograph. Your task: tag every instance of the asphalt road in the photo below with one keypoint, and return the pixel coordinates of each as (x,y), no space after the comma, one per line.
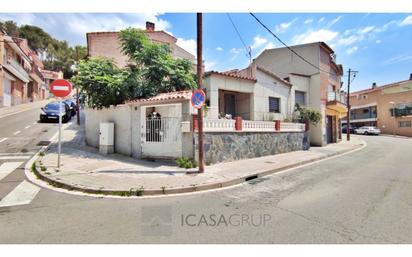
(20,135)
(362,197)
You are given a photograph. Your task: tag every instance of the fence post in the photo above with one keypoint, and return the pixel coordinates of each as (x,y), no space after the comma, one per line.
(238,123)
(277,125)
(195,124)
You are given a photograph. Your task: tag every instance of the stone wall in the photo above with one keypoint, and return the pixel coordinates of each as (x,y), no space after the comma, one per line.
(226,147)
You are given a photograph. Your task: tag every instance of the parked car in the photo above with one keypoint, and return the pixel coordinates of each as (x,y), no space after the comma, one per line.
(351,129)
(50,112)
(368,130)
(72,104)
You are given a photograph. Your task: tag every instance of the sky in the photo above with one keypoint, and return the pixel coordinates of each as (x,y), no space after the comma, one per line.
(378,46)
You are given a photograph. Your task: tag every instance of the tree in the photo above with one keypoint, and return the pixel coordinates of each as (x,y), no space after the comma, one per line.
(154,62)
(152,70)
(102,81)
(10,27)
(37,38)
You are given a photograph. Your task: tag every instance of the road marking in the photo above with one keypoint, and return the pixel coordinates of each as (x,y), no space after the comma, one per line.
(27,127)
(34,123)
(17,132)
(24,193)
(8,167)
(3,139)
(14,157)
(17,154)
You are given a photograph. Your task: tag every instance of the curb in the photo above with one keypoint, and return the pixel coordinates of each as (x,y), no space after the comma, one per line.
(142,193)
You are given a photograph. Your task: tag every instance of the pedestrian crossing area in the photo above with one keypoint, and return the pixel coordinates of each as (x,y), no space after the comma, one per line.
(15,190)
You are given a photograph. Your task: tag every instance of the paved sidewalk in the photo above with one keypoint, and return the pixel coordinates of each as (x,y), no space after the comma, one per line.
(84,169)
(6,111)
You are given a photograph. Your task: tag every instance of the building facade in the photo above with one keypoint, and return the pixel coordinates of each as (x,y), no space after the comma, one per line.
(15,67)
(107,44)
(21,77)
(388,107)
(278,79)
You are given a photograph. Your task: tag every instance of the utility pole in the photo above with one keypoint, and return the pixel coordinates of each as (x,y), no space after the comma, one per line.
(350,72)
(348,105)
(199,86)
(77,91)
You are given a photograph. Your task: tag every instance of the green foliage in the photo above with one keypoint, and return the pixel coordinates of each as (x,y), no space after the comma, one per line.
(304,115)
(10,27)
(154,65)
(186,163)
(151,70)
(102,81)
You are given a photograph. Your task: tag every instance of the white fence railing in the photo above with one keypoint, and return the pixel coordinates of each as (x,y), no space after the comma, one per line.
(217,125)
(251,125)
(288,126)
(226,125)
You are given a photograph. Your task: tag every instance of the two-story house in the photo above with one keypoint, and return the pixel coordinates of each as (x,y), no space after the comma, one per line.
(36,88)
(277,80)
(15,67)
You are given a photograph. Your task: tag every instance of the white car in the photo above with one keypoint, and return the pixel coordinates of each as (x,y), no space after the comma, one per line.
(368,130)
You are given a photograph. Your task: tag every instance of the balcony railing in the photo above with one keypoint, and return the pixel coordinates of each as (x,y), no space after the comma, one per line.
(18,67)
(360,116)
(336,96)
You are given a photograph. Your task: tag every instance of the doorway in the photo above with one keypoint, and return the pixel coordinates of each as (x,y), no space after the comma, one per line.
(230,104)
(329,129)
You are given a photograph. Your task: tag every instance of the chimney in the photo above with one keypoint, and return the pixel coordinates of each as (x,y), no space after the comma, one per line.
(150,26)
(374,85)
(410,76)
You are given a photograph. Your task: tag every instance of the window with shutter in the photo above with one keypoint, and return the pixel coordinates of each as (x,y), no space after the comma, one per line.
(300,98)
(274,104)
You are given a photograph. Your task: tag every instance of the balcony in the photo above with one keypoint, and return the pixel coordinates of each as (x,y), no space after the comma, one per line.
(336,101)
(17,70)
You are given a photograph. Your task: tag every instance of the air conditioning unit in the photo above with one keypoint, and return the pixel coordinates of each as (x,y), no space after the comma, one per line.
(106,138)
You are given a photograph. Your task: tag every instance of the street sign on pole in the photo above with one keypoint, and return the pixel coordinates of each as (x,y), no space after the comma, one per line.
(198,98)
(60,88)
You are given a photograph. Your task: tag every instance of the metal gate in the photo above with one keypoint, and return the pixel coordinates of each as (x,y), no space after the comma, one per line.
(162,137)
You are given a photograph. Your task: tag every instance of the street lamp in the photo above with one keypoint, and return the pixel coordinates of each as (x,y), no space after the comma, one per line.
(394,118)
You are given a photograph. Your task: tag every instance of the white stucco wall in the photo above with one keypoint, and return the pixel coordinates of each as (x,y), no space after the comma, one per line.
(120,116)
(281,61)
(266,87)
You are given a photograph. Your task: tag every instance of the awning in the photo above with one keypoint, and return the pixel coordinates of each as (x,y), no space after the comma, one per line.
(9,76)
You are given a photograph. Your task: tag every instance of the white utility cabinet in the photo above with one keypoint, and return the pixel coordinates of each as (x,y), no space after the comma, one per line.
(106,138)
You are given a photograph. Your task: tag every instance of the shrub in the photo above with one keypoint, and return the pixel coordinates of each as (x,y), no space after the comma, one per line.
(186,163)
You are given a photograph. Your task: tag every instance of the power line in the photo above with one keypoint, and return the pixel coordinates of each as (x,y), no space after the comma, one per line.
(290,49)
(248,50)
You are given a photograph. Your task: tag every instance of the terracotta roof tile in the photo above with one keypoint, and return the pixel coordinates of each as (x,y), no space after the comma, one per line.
(183,95)
(380,87)
(231,74)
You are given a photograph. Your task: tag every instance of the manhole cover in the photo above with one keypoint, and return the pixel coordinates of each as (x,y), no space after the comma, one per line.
(43,143)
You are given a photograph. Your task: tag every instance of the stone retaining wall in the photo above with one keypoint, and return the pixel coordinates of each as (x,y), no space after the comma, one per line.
(226,147)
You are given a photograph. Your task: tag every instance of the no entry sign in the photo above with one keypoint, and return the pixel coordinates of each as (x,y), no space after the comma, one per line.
(61,88)
(198,98)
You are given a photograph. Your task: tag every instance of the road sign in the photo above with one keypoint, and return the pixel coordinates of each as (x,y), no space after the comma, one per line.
(198,98)
(61,88)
